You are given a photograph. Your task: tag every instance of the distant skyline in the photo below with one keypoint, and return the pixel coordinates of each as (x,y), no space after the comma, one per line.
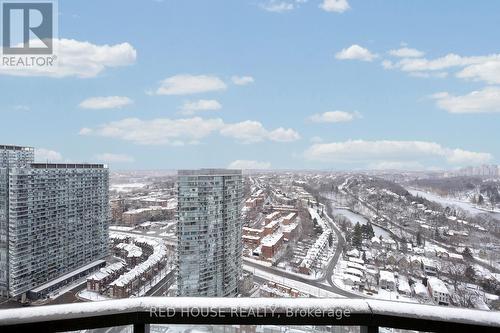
(264,84)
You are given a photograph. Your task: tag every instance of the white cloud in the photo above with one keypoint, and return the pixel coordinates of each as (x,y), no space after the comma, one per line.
(80,59)
(338,6)
(109,102)
(487,71)
(192,107)
(276,6)
(250,131)
(477,68)
(334,117)
(387,64)
(47,155)
(316,139)
(385,151)
(161,131)
(355,52)
(283,135)
(85,131)
(114,158)
(22,108)
(164,131)
(481,101)
(186,84)
(242,80)
(406,52)
(438,75)
(249,165)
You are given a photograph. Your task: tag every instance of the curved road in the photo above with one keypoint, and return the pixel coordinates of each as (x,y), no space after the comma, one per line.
(314,283)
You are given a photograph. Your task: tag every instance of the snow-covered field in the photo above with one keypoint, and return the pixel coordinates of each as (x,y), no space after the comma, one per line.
(466,206)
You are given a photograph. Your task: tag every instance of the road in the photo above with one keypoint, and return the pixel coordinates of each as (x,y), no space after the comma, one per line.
(314,283)
(70,296)
(161,286)
(338,251)
(328,276)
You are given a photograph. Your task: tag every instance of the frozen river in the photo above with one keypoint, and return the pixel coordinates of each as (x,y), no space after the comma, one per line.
(466,206)
(353,217)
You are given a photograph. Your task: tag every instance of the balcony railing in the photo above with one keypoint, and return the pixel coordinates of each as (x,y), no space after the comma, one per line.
(142,312)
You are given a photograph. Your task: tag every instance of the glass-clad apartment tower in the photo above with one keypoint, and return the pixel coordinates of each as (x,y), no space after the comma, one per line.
(11,157)
(54,220)
(209,232)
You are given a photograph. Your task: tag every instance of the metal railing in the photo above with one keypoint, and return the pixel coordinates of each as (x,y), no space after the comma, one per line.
(142,312)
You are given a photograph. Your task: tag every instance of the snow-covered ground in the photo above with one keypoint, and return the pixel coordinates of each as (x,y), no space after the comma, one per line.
(127,187)
(120,228)
(382,293)
(354,218)
(300,286)
(466,206)
(91,295)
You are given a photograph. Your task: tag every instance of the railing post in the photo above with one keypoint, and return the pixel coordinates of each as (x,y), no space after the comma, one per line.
(368,329)
(141,328)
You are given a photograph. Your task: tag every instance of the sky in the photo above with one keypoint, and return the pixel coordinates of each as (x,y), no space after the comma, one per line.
(263,84)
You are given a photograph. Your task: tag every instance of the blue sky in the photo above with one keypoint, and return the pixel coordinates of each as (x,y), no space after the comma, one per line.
(264,84)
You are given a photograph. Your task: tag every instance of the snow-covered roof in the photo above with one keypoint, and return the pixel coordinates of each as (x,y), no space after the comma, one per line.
(437,285)
(353,271)
(428,262)
(106,271)
(272,224)
(456,256)
(143,210)
(272,215)
(387,276)
(356,265)
(353,253)
(403,286)
(289,227)
(252,230)
(351,277)
(316,250)
(133,251)
(358,260)
(420,289)
(272,240)
(250,237)
(159,252)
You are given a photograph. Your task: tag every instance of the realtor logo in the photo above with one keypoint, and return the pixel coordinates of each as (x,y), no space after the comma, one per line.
(27,27)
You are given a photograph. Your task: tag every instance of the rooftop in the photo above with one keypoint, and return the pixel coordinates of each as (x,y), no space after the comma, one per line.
(208,172)
(67,166)
(12,147)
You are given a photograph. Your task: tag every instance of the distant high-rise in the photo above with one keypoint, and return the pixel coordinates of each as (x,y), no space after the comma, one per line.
(54,221)
(209,232)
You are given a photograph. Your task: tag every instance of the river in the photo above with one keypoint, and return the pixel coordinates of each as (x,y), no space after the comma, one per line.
(354,218)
